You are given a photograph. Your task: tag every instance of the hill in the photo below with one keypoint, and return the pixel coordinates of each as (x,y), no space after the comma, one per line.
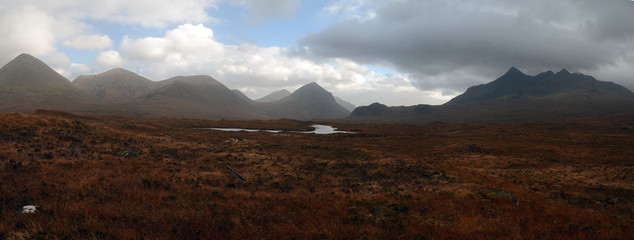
(194,97)
(114,86)
(26,83)
(241,95)
(516,96)
(310,101)
(274,96)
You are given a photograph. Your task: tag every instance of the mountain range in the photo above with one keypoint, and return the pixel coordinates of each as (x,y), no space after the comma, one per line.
(27,84)
(515,97)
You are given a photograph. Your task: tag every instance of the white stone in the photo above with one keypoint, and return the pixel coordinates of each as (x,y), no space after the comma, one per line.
(29,209)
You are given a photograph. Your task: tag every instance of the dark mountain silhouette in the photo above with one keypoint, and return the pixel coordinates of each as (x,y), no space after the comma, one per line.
(274,96)
(516,96)
(114,86)
(310,101)
(26,83)
(515,84)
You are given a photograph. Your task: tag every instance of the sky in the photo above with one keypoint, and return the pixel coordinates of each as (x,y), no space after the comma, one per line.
(399,52)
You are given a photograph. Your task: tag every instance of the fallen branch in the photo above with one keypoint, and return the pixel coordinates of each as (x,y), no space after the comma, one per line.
(234,172)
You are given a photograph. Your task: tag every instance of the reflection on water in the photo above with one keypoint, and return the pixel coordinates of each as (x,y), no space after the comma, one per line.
(319,129)
(324,129)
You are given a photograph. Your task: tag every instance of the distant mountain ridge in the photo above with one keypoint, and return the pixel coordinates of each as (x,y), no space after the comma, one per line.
(516,84)
(114,86)
(27,84)
(274,96)
(310,101)
(196,97)
(516,96)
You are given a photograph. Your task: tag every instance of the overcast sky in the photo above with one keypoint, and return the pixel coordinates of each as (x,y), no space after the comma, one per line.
(400,52)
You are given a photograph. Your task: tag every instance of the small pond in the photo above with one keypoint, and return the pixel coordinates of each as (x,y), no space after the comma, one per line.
(319,129)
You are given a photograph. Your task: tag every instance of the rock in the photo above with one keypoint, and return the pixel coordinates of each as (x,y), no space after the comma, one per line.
(29,209)
(127,153)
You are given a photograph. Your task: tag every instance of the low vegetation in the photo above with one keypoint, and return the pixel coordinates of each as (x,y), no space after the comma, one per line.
(130,178)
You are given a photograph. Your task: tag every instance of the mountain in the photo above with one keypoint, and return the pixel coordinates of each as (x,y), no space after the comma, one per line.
(26,83)
(274,96)
(516,96)
(114,86)
(345,104)
(308,102)
(194,97)
(241,95)
(515,84)
(278,95)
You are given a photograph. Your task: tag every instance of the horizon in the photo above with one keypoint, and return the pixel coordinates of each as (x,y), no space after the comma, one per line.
(397,53)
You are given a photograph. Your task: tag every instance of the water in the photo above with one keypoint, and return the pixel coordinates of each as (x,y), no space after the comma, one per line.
(325,129)
(319,129)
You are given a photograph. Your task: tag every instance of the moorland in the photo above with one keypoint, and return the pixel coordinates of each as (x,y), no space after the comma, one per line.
(108,177)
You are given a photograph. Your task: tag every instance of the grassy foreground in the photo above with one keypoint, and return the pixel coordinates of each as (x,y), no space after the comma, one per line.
(132,178)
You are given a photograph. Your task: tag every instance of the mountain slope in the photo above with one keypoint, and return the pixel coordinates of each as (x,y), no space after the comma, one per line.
(26,83)
(194,97)
(241,95)
(274,96)
(114,86)
(516,96)
(345,104)
(310,101)
(515,84)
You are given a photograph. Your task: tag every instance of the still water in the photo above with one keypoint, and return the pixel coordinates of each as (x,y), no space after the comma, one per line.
(319,129)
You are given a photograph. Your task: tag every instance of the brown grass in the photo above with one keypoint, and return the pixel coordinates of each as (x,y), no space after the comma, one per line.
(573,180)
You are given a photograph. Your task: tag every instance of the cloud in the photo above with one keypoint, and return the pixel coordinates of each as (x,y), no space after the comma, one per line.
(36,27)
(192,49)
(57,60)
(146,13)
(109,58)
(89,42)
(453,44)
(84,42)
(25,30)
(270,9)
(360,10)
(185,44)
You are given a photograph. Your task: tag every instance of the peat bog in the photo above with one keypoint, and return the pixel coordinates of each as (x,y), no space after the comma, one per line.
(100,177)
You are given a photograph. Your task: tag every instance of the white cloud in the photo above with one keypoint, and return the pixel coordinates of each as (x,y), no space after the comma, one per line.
(26,30)
(109,58)
(57,60)
(191,49)
(35,27)
(360,10)
(144,49)
(147,13)
(89,42)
